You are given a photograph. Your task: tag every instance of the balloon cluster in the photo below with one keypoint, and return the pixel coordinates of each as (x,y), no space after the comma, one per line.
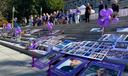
(9,26)
(107,18)
(49,26)
(18,30)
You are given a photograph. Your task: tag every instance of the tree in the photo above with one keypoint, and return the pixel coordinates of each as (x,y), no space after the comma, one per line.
(4,5)
(55,4)
(25,8)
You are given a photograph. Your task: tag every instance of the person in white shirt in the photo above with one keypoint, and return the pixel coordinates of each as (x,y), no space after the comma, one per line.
(77,16)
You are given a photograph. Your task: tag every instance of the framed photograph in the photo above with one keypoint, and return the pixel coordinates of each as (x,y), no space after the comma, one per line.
(121,45)
(44,61)
(80,53)
(103,37)
(98,50)
(104,51)
(115,54)
(87,54)
(125,56)
(122,38)
(100,57)
(72,52)
(106,45)
(126,38)
(103,69)
(93,55)
(90,44)
(97,44)
(69,66)
(112,37)
(118,56)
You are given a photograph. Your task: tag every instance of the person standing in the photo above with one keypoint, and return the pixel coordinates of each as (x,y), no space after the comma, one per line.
(77,16)
(44,17)
(71,16)
(51,18)
(67,17)
(30,21)
(47,17)
(101,6)
(35,20)
(87,12)
(115,6)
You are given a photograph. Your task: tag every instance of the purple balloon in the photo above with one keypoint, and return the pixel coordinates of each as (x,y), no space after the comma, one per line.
(106,23)
(110,11)
(103,12)
(107,14)
(108,17)
(115,20)
(100,22)
(18,31)
(50,26)
(9,25)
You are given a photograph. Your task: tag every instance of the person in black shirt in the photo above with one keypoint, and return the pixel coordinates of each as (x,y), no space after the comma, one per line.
(51,18)
(115,7)
(87,12)
(101,6)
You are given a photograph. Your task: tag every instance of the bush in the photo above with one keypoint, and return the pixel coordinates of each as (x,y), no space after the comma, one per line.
(3,20)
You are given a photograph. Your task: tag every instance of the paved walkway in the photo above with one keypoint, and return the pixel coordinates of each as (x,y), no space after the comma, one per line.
(13,63)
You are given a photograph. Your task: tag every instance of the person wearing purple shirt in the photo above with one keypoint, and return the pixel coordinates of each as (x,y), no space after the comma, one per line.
(44,18)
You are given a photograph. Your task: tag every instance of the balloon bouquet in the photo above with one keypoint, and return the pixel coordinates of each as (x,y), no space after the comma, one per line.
(107,18)
(50,26)
(33,46)
(7,27)
(18,31)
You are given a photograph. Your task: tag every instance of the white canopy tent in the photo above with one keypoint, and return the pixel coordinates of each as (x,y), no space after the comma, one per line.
(82,9)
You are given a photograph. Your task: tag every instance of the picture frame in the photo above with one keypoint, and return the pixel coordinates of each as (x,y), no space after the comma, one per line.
(103,69)
(64,67)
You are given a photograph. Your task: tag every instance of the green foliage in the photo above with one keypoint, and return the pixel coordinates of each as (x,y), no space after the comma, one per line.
(55,4)
(4,5)
(25,7)
(29,7)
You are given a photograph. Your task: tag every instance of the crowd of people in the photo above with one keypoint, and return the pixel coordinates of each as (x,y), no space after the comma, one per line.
(65,17)
(58,17)
(68,17)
